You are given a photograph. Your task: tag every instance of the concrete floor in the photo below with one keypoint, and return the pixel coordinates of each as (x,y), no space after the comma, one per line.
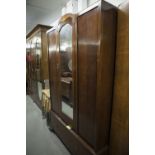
(39,139)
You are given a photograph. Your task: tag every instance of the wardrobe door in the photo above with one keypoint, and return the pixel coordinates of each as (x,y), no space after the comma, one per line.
(34,80)
(38,65)
(88,42)
(67,70)
(32,68)
(53,72)
(28,66)
(38,56)
(96,51)
(65,62)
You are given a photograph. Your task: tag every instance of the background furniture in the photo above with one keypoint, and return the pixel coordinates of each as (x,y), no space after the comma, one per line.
(81,72)
(37,64)
(46,105)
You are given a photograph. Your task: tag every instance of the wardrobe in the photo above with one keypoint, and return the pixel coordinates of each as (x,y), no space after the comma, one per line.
(81,71)
(37,62)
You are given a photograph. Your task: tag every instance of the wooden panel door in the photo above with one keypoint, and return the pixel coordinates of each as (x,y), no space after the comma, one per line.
(37,60)
(34,75)
(38,54)
(96,51)
(88,43)
(28,67)
(53,72)
(32,69)
(67,68)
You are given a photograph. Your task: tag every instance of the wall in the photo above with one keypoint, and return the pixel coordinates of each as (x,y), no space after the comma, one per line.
(114,2)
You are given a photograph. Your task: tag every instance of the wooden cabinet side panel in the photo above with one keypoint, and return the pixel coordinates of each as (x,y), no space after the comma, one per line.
(44,58)
(105,77)
(119,134)
(87,59)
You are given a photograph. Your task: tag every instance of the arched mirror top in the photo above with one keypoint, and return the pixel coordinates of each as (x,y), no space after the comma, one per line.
(66,32)
(66,38)
(66,19)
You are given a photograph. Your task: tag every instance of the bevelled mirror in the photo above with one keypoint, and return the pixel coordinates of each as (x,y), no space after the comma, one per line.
(38,58)
(66,78)
(38,62)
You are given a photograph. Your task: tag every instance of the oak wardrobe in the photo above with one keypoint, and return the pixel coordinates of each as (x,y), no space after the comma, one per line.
(81,69)
(37,62)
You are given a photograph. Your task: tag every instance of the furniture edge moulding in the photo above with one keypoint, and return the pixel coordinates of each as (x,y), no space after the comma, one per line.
(35,29)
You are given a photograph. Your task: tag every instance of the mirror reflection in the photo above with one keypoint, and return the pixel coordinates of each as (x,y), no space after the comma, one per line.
(37,57)
(66,70)
(38,64)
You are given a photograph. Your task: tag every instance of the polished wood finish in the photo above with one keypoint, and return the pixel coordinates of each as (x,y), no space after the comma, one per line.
(87,73)
(119,134)
(75,144)
(38,66)
(72,20)
(93,74)
(53,73)
(44,59)
(96,53)
(57,85)
(36,29)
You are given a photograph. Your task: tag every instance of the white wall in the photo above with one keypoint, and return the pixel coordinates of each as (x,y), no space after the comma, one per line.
(49,11)
(85,3)
(114,2)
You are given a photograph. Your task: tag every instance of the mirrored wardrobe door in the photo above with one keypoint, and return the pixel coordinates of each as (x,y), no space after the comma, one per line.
(32,62)
(66,78)
(38,58)
(38,65)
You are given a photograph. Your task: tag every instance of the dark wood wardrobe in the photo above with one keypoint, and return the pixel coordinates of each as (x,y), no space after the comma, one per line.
(81,72)
(37,62)
(119,134)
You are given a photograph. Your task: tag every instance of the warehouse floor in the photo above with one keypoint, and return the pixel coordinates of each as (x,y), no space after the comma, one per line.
(39,139)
